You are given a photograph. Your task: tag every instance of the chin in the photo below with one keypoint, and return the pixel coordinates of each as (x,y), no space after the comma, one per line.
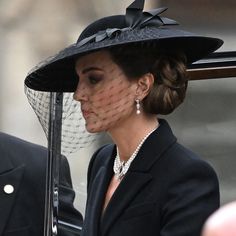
(93,129)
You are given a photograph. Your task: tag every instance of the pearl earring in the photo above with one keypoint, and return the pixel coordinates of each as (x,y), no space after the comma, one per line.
(137,106)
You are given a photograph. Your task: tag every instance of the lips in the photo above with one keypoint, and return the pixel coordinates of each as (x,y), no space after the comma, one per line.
(86,113)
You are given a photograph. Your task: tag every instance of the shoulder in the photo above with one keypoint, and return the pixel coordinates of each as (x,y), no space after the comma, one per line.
(190,189)
(185,158)
(21,152)
(184,167)
(181,166)
(7,140)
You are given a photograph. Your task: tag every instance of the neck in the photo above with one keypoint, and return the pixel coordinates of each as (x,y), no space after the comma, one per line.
(129,135)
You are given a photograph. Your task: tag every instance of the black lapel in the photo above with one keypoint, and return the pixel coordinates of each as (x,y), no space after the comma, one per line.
(13,178)
(138,175)
(125,192)
(154,147)
(95,200)
(6,163)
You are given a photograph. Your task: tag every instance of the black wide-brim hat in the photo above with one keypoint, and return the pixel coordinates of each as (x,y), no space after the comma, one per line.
(57,74)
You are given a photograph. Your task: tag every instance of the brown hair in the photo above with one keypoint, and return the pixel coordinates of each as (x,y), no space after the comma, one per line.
(169,70)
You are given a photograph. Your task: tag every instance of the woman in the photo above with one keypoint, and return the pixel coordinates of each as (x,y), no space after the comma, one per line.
(132,68)
(148,184)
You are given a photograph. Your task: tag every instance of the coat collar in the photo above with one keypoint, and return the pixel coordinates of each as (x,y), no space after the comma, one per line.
(7,164)
(137,177)
(153,147)
(96,197)
(132,183)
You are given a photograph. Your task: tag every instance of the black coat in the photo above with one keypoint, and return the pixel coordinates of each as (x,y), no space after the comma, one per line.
(23,166)
(168,191)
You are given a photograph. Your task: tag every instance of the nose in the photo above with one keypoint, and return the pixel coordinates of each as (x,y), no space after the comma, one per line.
(80,93)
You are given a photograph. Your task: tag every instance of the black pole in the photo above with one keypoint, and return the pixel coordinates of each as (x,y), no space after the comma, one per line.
(53,164)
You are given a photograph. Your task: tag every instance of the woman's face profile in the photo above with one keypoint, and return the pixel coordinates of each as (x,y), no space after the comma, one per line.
(106,95)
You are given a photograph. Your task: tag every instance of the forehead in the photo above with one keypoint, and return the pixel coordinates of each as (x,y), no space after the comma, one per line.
(101,59)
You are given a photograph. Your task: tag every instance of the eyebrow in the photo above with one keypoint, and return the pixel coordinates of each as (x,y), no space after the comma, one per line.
(86,70)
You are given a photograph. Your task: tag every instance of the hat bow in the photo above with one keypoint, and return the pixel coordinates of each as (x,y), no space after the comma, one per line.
(135,18)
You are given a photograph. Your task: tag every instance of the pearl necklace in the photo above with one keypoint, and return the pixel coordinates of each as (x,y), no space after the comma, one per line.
(121,167)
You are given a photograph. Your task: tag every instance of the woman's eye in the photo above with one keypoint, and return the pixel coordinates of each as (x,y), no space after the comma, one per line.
(94,80)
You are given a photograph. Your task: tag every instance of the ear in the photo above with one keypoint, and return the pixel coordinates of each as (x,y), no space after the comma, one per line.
(145,84)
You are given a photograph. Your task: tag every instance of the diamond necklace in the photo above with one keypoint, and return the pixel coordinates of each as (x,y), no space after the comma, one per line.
(121,167)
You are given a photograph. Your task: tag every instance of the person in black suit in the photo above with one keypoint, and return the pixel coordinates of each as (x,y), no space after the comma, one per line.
(22,190)
(126,71)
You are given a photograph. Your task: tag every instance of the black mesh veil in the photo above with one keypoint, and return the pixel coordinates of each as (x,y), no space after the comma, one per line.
(66,133)
(73,134)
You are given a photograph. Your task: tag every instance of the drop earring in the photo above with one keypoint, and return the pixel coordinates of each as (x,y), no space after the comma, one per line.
(137,106)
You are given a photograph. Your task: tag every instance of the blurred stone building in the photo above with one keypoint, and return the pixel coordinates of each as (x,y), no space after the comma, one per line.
(32,30)
(207,120)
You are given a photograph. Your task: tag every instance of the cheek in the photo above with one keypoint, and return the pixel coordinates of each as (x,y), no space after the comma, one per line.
(114,102)
(116,97)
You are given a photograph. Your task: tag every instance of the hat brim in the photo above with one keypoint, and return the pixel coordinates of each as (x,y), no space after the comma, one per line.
(57,74)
